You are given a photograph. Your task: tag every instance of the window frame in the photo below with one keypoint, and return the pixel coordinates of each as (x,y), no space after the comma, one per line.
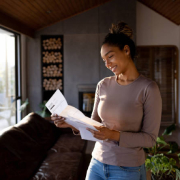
(18,85)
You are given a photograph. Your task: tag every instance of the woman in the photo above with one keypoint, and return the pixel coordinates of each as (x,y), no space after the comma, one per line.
(129,105)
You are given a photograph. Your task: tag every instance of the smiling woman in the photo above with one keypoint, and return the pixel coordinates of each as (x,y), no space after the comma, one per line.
(129,105)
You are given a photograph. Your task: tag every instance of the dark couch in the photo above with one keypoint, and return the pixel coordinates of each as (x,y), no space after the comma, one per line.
(36,149)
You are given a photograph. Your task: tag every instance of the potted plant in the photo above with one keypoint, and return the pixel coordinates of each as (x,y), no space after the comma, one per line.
(44,111)
(162,158)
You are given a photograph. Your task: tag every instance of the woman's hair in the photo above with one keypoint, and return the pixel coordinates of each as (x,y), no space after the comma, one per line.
(120,35)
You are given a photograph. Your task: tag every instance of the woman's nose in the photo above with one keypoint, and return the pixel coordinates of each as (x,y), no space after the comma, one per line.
(107,64)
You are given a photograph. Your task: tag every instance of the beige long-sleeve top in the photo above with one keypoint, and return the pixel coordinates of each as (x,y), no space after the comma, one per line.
(135,110)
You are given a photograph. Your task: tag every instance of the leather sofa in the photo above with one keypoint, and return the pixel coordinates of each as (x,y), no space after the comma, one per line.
(36,149)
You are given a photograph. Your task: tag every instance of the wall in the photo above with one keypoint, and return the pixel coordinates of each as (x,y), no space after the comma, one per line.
(83,35)
(154,29)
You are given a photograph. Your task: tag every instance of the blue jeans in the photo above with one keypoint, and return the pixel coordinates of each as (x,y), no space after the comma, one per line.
(100,171)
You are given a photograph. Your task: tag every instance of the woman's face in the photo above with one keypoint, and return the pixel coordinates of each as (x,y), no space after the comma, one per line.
(115,59)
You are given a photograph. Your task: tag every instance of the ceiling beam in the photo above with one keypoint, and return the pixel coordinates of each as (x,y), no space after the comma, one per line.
(15,25)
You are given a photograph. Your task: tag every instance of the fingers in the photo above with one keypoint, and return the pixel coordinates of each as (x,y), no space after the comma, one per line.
(55,117)
(58,122)
(61,124)
(99,128)
(101,137)
(101,134)
(92,131)
(96,134)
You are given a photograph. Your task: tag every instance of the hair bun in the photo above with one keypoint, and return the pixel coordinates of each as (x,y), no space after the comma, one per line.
(121,27)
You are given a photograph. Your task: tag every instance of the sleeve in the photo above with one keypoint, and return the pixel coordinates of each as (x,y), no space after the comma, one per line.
(152,109)
(94,114)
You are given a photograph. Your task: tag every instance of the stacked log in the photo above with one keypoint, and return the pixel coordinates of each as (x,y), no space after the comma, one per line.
(52,71)
(52,57)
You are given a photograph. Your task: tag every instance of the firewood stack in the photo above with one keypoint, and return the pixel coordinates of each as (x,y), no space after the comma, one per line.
(52,84)
(52,57)
(52,43)
(52,71)
(52,64)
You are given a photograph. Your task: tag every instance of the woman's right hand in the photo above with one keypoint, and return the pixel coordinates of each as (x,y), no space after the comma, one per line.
(59,121)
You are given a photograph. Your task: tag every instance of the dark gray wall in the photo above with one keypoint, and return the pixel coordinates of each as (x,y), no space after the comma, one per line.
(83,35)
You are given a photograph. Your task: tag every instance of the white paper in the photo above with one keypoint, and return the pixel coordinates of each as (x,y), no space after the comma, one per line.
(57,104)
(85,134)
(72,112)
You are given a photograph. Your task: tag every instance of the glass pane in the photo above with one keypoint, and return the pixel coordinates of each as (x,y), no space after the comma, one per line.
(7,80)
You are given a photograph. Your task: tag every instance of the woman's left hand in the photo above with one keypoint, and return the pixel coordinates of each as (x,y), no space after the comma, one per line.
(105,133)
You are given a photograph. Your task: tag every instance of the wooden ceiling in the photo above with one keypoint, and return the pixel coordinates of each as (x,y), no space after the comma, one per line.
(170,9)
(28,16)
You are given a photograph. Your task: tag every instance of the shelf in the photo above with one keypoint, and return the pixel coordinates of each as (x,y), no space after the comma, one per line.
(52,65)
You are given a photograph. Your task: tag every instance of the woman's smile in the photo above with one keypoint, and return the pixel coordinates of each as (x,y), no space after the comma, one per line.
(114,69)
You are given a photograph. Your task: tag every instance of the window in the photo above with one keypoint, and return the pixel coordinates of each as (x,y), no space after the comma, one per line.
(10,91)
(160,63)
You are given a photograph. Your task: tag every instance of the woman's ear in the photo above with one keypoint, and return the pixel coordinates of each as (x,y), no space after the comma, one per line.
(127,49)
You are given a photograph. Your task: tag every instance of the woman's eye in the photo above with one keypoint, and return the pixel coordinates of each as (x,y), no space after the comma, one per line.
(110,56)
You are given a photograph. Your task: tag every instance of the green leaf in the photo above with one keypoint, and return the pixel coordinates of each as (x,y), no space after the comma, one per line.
(173,147)
(160,140)
(161,147)
(172,161)
(177,174)
(178,156)
(169,152)
(161,137)
(168,130)
(24,105)
(42,105)
(165,159)
(42,113)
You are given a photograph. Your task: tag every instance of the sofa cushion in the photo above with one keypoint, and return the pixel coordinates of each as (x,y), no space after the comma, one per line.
(63,159)
(59,166)
(24,146)
(69,143)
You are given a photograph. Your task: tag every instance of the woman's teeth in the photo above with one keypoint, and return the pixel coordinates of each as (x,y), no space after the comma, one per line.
(113,69)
